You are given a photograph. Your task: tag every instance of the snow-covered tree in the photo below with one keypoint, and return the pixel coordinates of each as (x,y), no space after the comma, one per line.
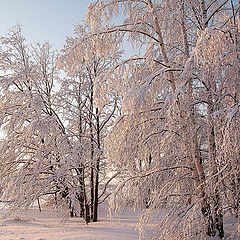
(53,125)
(33,149)
(85,61)
(168,141)
(38,157)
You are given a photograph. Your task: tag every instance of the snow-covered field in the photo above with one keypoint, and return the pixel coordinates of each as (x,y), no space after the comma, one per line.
(52,225)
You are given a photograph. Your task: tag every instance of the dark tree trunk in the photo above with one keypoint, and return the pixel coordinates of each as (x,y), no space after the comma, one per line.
(92,151)
(217,208)
(95,213)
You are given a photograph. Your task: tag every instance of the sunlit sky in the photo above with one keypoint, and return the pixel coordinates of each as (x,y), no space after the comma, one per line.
(43,20)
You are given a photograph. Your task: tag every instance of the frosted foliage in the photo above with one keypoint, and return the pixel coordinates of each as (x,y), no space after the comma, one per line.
(36,155)
(175,139)
(87,111)
(91,56)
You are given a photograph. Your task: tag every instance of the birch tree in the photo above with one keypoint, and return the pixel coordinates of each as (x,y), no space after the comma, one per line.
(85,62)
(170,95)
(53,125)
(31,127)
(37,155)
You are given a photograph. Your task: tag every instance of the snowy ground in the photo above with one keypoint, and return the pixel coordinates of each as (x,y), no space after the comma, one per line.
(51,225)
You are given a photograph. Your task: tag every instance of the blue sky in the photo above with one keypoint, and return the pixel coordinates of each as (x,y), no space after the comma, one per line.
(43,20)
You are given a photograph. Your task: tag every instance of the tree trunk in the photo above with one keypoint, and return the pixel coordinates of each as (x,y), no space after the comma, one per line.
(81,194)
(86,213)
(86,206)
(217,208)
(162,46)
(92,192)
(196,163)
(95,213)
(39,205)
(92,150)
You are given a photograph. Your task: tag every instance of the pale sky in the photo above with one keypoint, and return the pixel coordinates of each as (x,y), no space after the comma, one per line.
(43,20)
